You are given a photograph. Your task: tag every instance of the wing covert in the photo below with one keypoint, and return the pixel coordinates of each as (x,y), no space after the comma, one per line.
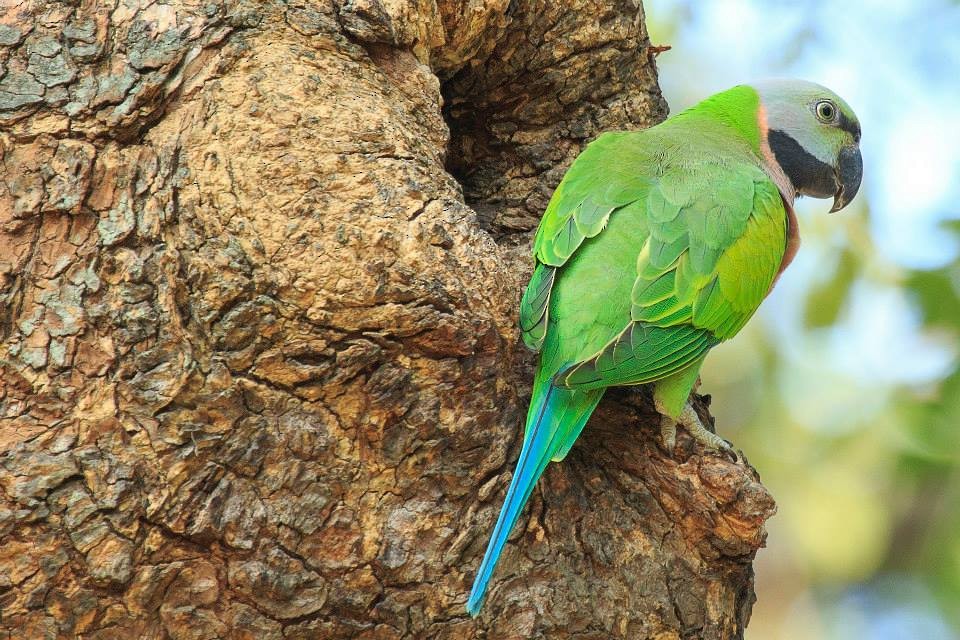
(609,175)
(705,268)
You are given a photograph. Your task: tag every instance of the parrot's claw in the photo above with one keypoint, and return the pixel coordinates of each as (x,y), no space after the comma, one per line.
(668,434)
(690,421)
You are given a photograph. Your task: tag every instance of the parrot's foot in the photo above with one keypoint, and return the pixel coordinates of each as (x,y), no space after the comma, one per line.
(691,422)
(668,433)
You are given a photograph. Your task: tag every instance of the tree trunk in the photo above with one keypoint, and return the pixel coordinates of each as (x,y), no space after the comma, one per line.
(260,375)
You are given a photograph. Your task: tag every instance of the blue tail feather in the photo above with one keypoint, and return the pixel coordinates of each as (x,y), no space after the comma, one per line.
(521,486)
(547,432)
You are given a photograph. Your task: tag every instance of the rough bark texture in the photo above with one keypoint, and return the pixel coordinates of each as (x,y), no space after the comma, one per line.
(259,371)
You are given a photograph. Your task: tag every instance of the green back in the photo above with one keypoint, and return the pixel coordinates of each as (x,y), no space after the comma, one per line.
(656,246)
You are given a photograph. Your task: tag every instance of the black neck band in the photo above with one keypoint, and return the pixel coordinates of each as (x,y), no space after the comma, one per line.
(809,175)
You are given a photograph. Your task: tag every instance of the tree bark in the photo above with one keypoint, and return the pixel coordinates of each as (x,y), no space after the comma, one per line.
(259,370)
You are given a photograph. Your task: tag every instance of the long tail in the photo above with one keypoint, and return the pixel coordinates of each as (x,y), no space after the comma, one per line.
(554,421)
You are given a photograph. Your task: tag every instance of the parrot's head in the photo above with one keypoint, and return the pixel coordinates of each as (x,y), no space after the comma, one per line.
(814,136)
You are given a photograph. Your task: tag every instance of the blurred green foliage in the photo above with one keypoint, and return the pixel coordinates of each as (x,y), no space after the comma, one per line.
(826,299)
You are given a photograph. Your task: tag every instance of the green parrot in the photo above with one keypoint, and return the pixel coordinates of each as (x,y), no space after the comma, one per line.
(659,245)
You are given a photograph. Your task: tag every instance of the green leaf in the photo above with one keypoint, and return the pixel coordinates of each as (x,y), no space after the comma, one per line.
(828,299)
(937,293)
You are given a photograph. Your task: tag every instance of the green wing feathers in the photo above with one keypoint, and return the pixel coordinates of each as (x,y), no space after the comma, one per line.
(606,176)
(534,306)
(747,268)
(711,255)
(642,353)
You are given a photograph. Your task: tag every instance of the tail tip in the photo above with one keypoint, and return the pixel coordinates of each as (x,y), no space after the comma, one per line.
(474,604)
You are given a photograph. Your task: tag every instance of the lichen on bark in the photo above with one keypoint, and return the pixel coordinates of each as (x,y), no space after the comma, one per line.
(259,370)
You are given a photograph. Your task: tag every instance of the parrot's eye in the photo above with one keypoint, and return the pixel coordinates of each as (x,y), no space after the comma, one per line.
(826,111)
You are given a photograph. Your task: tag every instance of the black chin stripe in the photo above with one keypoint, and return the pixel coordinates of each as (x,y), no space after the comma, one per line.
(850,126)
(808,175)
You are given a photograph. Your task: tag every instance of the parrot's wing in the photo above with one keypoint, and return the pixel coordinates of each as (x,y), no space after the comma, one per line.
(714,250)
(608,175)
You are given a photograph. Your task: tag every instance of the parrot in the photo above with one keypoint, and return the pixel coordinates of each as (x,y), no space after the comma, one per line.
(658,245)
